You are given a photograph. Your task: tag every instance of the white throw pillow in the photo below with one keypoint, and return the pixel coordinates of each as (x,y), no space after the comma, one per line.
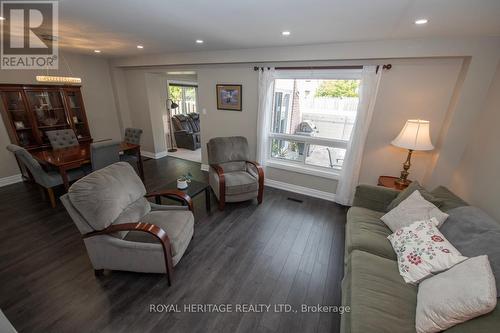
(464,292)
(422,250)
(414,208)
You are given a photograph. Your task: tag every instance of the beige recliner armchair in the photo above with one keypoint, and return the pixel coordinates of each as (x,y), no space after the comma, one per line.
(232,176)
(124,231)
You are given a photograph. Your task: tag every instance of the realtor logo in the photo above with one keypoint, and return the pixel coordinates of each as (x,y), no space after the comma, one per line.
(29,35)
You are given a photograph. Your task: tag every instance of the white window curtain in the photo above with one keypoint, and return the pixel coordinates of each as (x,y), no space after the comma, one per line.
(349,175)
(266,90)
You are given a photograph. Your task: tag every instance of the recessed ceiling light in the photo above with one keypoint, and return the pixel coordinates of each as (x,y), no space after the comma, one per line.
(285,33)
(2,18)
(421,21)
(140,46)
(199,41)
(97,51)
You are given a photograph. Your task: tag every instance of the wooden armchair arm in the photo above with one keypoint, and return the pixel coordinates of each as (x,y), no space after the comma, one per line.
(222,184)
(144,227)
(260,172)
(175,193)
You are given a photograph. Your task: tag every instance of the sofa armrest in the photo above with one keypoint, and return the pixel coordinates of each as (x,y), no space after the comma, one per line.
(374,197)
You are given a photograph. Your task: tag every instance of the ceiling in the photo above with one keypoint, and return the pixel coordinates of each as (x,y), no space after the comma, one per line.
(163,26)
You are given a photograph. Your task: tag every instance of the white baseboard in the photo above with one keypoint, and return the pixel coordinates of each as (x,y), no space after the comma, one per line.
(11,180)
(204,167)
(154,155)
(300,189)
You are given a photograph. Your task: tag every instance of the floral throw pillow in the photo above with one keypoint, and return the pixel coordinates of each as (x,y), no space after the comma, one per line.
(423,251)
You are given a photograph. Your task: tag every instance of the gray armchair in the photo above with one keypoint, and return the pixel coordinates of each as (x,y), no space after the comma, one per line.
(232,176)
(46,179)
(64,138)
(104,153)
(124,231)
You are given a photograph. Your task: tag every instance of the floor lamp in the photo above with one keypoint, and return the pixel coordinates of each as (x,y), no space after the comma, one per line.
(172,105)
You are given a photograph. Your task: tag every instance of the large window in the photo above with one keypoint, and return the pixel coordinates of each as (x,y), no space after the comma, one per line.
(183,95)
(312,120)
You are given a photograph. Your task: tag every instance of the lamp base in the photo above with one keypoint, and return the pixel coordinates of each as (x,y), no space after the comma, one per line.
(403,179)
(172,150)
(402,182)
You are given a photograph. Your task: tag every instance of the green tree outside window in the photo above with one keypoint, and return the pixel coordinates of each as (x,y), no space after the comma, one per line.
(338,88)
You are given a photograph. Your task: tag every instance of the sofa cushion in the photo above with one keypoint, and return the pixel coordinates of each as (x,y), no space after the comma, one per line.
(413,208)
(374,197)
(484,324)
(379,300)
(233,166)
(474,233)
(133,213)
(227,149)
(449,200)
(240,182)
(463,292)
(365,231)
(178,224)
(422,251)
(414,186)
(103,195)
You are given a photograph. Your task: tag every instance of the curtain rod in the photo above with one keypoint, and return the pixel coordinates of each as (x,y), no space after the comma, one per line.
(189,85)
(386,67)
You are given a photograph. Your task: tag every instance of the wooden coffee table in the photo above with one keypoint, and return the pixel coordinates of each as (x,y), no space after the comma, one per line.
(195,187)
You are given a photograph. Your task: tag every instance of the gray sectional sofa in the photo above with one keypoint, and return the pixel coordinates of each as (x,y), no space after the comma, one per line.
(379,299)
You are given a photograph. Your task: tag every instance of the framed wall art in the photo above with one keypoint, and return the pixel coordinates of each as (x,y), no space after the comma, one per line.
(229,97)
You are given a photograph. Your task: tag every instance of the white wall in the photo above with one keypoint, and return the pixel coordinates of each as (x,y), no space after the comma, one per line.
(156,87)
(477,178)
(227,123)
(412,89)
(97,94)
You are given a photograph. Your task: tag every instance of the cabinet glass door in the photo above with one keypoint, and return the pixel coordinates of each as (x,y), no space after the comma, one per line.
(20,118)
(77,113)
(48,111)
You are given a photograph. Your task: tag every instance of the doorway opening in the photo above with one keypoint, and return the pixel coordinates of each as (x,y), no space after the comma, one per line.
(182,123)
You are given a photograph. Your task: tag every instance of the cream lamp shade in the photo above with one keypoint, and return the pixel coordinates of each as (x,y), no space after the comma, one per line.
(414,136)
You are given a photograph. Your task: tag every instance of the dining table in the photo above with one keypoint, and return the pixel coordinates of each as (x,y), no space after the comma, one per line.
(65,159)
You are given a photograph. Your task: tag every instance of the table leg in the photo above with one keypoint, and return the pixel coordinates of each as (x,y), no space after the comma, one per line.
(139,164)
(64,177)
(207,199)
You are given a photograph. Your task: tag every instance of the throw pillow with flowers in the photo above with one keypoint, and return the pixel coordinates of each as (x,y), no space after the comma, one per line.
(423,251)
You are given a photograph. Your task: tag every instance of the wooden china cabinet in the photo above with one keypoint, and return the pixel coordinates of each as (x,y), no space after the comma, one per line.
(29,111)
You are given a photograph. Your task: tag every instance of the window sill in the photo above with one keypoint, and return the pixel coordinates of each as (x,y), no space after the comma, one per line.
(307,170)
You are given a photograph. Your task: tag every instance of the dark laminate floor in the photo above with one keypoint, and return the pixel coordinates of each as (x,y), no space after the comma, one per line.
(279,252)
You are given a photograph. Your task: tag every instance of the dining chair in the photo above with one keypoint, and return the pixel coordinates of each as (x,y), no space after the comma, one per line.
(121,229)
(64,138)
(132,135)
(104,153)
(46,179)
(232,176)
(13,148)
